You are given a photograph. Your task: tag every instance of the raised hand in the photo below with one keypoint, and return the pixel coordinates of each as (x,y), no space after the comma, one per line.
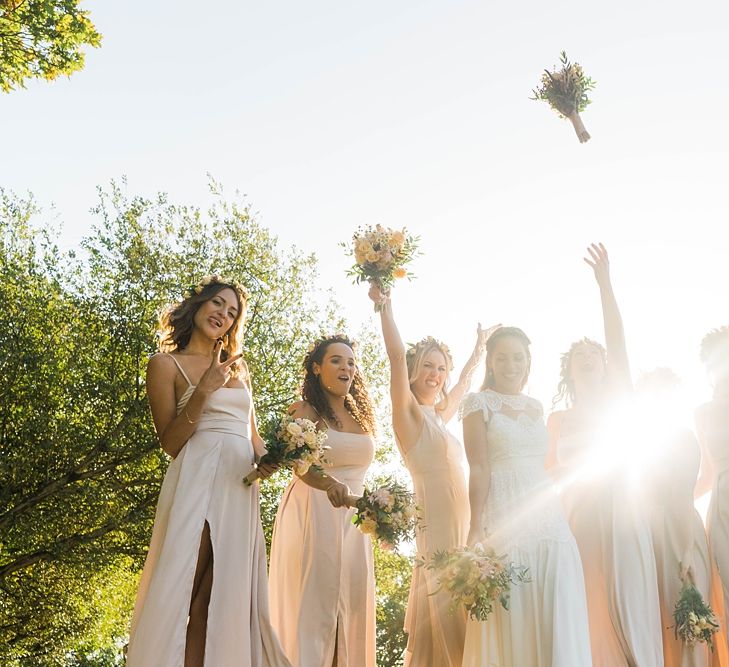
(599,262)
(379,297)
(218,373)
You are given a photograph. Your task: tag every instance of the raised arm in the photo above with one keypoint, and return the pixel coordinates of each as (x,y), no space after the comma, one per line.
(448,407)
(618,367)
(407,419)
(474,439)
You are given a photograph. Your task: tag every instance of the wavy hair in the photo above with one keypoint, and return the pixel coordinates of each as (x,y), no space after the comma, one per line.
(566,385)
(357,401)
(503,332)
(713,345)
(177,322)
(415,358)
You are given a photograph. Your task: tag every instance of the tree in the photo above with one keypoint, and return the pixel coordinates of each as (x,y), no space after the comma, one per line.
(81,464)
(42,39)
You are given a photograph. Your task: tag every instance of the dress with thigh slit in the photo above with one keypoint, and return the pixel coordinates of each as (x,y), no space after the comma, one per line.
(322,584)
(204,484)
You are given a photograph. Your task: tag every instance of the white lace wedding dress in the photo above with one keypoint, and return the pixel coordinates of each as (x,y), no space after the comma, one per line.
(546,624)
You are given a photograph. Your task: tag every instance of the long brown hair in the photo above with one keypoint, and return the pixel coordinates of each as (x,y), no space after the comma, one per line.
(503,332)
(357,402)
(566,385)
(178,321)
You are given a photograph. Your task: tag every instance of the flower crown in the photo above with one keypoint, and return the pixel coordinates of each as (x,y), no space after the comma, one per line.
(415,348)
(335,338)
(214,279)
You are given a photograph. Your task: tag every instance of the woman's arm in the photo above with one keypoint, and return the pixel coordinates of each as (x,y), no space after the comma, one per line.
(259,446)
(174,430)
(554,425)
(705,482)
(448,407)
(336,491)
(407,419)
(475,441)
(618,367)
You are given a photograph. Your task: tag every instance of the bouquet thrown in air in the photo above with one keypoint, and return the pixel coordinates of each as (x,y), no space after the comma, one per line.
(694,619)
(387,513)
(381,256)
(565,90)
(476,578)
(298,445)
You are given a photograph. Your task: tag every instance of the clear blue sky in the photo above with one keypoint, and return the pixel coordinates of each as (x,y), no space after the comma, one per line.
(332,114)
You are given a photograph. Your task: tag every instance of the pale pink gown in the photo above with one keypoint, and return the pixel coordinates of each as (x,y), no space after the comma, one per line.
(322,583)
(204,484)
(437,465)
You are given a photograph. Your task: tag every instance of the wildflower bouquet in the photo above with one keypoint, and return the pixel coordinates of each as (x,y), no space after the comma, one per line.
(476,578)
(566,92)
(381,256)
(695,620)
(298,445)
(387,513)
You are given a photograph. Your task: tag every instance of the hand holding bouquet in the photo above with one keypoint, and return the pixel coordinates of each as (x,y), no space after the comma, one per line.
(695,620)
(476,578)
(298,445)
(566,92)
(381,256)
(387,513)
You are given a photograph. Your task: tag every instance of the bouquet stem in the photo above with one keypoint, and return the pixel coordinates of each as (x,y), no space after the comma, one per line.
(251,477)
(582,133)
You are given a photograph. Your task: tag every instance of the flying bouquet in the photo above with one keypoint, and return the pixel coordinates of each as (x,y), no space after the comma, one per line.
(476,578)
(566,92)
(387,513)
(297,445)
(695,620)
(381,256)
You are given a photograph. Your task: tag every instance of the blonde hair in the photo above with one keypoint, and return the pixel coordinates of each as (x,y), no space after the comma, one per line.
(415,358)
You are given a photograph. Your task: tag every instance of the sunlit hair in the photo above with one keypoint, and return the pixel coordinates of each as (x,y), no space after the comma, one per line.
(566,386)
(357,402)
(178,321)
(715,347)
(415,358)
(494,338)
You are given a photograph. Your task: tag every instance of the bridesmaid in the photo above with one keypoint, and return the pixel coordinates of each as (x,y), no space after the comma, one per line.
(712,427)
(207,559)
(613,534)
(679,541)
(322,585)
(421,407)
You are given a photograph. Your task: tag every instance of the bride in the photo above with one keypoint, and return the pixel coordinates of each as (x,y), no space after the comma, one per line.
(515,510)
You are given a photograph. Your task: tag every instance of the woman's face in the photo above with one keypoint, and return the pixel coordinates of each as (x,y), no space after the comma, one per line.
(509,363)
(337,369)
(216,315)
(586,364)
(431,377)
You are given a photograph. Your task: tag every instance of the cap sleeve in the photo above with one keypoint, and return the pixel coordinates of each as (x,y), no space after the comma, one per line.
(473,402)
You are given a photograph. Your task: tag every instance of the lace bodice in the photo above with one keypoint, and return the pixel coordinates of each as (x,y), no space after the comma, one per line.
(522,508)
(516,431)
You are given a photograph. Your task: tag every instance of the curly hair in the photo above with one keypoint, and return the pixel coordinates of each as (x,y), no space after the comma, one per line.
(357,402)
(178,321)
(714,346)
(566,386)
(415,357)
(503,332)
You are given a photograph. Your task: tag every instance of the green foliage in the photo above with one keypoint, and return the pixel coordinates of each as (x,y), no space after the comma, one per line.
(393,572)
(81,464)
(565,90)
(42,39)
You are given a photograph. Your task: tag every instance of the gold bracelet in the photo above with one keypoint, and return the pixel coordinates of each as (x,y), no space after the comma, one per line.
(187,416)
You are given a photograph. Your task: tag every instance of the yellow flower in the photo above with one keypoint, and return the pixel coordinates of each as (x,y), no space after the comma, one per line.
(397,238)
(294,429)
(372,256)
(368,527)
(310,438)
(399,272)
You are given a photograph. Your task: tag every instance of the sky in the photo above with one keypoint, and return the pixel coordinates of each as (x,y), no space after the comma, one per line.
(329,115)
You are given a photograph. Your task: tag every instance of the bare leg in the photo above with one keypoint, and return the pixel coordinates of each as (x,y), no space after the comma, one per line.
(336,645)
(202,585)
